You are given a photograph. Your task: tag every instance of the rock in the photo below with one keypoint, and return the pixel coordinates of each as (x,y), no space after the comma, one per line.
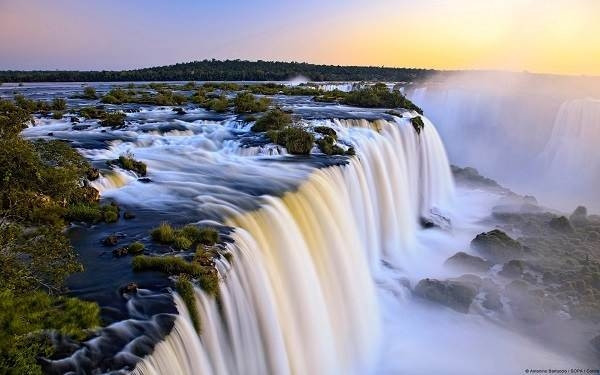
(111,240)
(92,174)
(452,294)
(179,111)
(144,180)
(79,127)
(579,216)
(128,215)
(74,119)
(492,301)
(120,252)
(561,224)
(426,223)
(468,263)
(50,134)
(497,246)
(512,269)
(130,288)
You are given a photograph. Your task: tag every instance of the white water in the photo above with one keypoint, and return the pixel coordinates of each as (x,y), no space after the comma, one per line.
(532,141)
(308,293)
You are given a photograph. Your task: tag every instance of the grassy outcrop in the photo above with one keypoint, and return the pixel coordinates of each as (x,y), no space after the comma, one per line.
(128,162)
(275,119)
(185,288)
(370,96)
(245,102)
(296,140)
(183,238)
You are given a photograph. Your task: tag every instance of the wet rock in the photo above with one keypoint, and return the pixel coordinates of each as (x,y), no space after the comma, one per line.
(74,119)
(50,134)
(579,216)
(455,295)
(89,194)
(561,224)
(79,127)
(497,246)
(111,240)
(92,174)
(596,343)
(426,223)
(492,301)
(130,288)
(512,269)
(128,215)
(179,111)
(466,262)
(144,180)
(120,252)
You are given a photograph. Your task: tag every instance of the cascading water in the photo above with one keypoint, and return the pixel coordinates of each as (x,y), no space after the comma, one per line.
(300,296)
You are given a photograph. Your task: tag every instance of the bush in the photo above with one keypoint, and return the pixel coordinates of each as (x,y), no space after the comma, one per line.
(128,162)
(169,265)
(184,238)
(186,290)
(205,236)
(298,141)
(325,130)
(135,248)
(417,123)
(113,119)
(89,93)
(92,113)
(275,119)
(92,213)
(59,104)
(181,242)
(220,104)
(57,115)
(245,102)
(327,146)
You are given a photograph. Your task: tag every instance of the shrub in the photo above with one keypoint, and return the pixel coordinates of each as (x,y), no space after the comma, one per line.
(205,236)
(110,213)
(57,115)
(128,162)
(89,93)
(186,290)
(91,112)
(113,119)
(275,119)
(189,86)
(298,141)
(328,147)
(135,248)
(164,233)
(84,212)
(245,102)
(417,123)
(181,242)
(167,264)
(219,104)
(59,104)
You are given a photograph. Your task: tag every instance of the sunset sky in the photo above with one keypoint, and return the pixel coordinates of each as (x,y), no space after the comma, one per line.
(549,36)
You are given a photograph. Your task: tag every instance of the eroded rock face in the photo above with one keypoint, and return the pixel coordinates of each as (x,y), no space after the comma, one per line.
(561,224)
(468,263)
(579,216)
(497,246)
(456,295)
(512,269)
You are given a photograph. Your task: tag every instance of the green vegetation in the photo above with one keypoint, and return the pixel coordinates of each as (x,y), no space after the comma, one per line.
(186,290)
(92,112)
(57,115)
(325,130)
(371,96)
(92,213)
(206,276)
(162,96)
(39,183)
(227,70)
(417,123)
(113,119)
(328,147)
(183,238)
(220,104)
(135,248)
(89,93)
(296,140)
(245,102)
(128,162)
(274,119)
(59,104)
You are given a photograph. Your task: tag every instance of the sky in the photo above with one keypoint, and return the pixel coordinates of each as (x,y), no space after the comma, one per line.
(545,36)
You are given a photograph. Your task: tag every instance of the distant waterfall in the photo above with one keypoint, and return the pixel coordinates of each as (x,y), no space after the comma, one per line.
(300,294)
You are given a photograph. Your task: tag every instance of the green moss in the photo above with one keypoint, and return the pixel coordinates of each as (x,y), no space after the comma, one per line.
(184,238)
(168,264)
(328,147)
(185,289)
(92,213)
(181,242)
(128,162)
(417,123)
(275,119)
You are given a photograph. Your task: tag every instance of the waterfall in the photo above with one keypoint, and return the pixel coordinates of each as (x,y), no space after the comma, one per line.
(300,295)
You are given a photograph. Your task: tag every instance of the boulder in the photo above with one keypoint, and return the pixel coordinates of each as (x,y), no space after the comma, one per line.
(468,263)
(497,246)
(120,252)
(130,288)
(579,216)
(128,215)
(492,301)
(561,224)
(88,194)
(92,174)
(111,240)
(453,294)
(512,269)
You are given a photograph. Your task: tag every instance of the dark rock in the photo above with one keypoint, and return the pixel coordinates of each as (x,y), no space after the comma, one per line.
(492,301)
(497,246)
(111,240)
(579,216)
(92,174)
(74,119)
(426,223)
(144,180)
(452,294)
(130,288)
(89,194)
(179,111)
(466,262)
(79,127)
(120,252)
(561,224)
(50,134)
(512,269)
(128,215)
